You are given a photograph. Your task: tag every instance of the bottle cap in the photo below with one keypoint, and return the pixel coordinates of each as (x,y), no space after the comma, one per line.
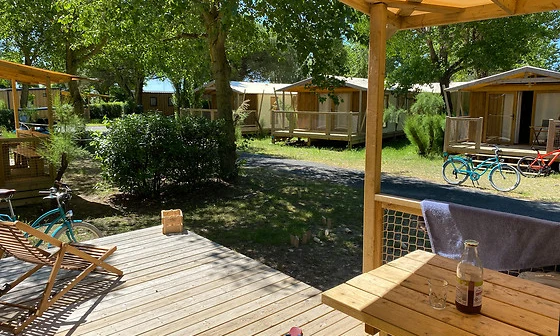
(470,242)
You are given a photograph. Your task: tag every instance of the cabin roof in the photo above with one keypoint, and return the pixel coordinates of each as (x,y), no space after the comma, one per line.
(527,75)
(351,82)
(247,87)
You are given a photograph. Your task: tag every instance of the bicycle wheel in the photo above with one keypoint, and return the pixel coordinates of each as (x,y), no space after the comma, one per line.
(504,177)
(455,171)
(82,231)
(529,166)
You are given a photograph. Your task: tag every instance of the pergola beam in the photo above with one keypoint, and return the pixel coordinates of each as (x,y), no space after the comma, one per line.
(411,6)
(418,14)
(507,5)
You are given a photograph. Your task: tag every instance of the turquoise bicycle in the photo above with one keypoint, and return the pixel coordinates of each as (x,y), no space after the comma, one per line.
(58,222)
(502,177)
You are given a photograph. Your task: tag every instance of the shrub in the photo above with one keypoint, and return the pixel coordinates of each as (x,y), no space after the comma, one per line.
(425,127)
(142,153)
(7,119)
(426,132)
(109,110)
(62,146)
(428,103)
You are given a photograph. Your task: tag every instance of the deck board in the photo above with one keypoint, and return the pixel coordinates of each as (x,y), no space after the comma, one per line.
(181,285)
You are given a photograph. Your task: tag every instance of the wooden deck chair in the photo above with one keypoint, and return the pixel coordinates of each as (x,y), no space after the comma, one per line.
(81,257)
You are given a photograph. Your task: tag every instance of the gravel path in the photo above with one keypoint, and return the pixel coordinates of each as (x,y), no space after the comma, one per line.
(409,187)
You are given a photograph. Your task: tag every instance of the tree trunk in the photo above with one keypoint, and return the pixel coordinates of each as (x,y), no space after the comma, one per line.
(139,91)
(72,69)
(25,87)
(216,32)
(444,84)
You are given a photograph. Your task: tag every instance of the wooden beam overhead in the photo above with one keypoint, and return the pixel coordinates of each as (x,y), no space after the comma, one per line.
(360,5)
(32,75)
(507,5)
(407,11)
(422,7)
(394,21)
(426,13)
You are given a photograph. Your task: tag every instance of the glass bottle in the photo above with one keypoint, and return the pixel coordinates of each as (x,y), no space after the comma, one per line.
(468,298)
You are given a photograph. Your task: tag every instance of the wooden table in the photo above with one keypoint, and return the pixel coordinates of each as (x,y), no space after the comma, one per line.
(394,298)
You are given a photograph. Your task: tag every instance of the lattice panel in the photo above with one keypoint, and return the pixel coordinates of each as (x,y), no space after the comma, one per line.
(402,234)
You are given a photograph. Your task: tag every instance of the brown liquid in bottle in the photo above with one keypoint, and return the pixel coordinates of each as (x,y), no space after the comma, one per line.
(468,309)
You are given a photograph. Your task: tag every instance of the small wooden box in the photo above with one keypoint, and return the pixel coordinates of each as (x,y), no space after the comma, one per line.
(172,221)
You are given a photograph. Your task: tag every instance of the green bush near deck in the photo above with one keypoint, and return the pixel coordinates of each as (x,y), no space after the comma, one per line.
(142,153)
(7,119)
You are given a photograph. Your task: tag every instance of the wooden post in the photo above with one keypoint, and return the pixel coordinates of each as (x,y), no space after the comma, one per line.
(15,104)
(49,104)
(328,123)
(551,133)
(446,134)
(479,124)
(373,214)
(291,122)
(349,128)
(272,123)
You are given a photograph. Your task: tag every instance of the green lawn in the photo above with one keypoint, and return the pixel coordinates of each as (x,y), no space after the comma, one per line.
(400,158)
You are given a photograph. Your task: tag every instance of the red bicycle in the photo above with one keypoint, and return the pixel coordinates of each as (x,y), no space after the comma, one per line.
(530,166)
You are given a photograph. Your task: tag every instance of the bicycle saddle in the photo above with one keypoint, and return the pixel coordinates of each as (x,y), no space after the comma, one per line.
(7,193)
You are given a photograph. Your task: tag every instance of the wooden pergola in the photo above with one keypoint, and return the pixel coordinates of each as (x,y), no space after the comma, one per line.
(387,17)
(31,75)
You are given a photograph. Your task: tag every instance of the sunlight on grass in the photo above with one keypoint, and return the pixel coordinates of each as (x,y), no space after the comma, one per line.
(399,158)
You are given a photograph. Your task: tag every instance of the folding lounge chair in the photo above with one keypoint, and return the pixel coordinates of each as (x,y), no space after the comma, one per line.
(81,257)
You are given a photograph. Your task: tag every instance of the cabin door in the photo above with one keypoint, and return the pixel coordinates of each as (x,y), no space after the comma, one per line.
(500,118)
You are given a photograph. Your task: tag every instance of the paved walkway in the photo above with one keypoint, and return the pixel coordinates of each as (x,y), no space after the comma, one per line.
(410,187)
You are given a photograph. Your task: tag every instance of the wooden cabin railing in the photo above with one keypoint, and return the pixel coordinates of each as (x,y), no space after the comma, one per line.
(553,135)
(326,123)
(460,130)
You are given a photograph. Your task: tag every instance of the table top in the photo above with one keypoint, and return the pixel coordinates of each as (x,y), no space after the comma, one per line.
(394,298)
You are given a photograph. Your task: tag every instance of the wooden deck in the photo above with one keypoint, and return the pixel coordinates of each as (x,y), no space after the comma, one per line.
(181,285)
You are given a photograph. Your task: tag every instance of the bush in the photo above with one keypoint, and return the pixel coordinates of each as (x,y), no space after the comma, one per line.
(428,103)
(109,110)
(426,132)
(142,153)
(425,127)
(7,119)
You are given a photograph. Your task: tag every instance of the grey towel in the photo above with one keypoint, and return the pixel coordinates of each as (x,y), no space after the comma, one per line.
(507,241)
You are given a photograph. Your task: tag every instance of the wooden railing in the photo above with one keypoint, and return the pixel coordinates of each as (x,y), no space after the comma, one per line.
(553,135)
(462,130)
(403,230)
(327,123)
